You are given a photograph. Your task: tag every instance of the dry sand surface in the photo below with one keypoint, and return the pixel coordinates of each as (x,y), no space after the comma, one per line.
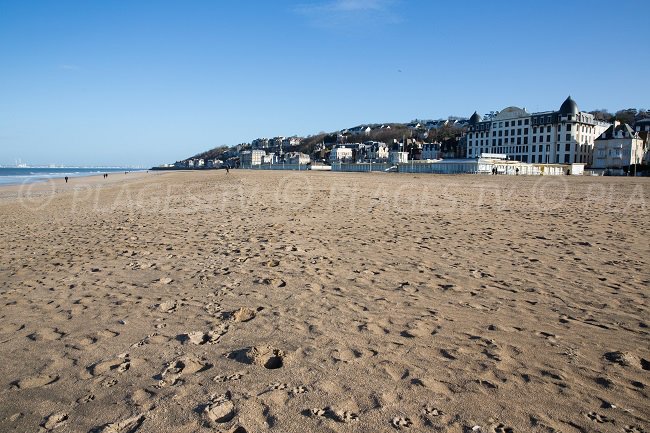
(326,302)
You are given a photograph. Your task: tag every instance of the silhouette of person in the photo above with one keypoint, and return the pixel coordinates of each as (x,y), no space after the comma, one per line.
(66,179)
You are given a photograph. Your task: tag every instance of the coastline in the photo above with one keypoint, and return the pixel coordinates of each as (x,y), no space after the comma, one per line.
(308,301)
(58,185)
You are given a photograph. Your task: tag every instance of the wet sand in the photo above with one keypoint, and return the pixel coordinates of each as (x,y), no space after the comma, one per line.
(325,302)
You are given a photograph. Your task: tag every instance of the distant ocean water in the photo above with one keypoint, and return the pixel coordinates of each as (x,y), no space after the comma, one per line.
(20,175)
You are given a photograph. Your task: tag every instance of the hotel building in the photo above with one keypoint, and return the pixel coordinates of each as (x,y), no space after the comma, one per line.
(551,137)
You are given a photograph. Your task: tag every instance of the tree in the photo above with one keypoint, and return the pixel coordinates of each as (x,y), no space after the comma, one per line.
(603,115)
(626,116)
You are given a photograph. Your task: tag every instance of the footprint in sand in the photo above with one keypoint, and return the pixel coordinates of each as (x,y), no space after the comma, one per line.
(34,381)
(633,429)
(502,429)
(153,338)
(298,390)
(108,382)
(182,366)
(400,422)
(107,333)
(141,396)
(86,341)
(46,334)
(336,415)
(167,306)
(244,314)
(621,358)
(274,282)
(54,421)
(230,378)
(278,386)
(266,356)
(120,364)
(129,425)
(86,399)
(200,338)
(596,417)
(432,411)
(219,410)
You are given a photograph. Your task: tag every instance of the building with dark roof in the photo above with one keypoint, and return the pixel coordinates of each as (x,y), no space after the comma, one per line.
(561,137)
(618,147)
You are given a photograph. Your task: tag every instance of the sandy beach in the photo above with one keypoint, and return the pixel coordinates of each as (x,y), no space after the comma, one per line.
(325,302)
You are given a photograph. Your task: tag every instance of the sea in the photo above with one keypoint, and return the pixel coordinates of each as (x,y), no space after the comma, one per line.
(21,175)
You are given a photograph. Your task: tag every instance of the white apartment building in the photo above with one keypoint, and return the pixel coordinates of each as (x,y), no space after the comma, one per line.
(618,147)
(340,154)
(552,137)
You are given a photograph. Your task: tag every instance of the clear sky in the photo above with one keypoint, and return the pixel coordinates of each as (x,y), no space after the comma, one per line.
(146,82)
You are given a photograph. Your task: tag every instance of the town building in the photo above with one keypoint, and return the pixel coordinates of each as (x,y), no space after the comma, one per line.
(297,158)
(561,137)
(250,158)
(617,148)
(397,157)
(642,126)
(431,151)
(376,151)
(341,154)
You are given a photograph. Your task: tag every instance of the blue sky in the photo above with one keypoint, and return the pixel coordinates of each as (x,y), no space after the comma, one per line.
(146,82)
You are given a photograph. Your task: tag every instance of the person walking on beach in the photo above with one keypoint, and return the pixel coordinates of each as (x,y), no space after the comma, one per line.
(227,170)
(66,179)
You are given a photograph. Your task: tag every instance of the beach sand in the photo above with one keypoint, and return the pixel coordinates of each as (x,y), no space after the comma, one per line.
(325,302)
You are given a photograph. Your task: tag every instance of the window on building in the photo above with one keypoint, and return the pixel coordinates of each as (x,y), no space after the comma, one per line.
(568,137)
(505,132)
(500,141)
(500,133)
(568,127)
(548,129)
(548,138)
(518,140)
(525,121)
(526,139)
(567,147)
(525,131)
(519,122)
(534,139)
(507,124)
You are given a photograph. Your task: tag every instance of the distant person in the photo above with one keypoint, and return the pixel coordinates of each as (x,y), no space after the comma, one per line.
(227,170)
(517,171)
(66,179)
(568,172)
